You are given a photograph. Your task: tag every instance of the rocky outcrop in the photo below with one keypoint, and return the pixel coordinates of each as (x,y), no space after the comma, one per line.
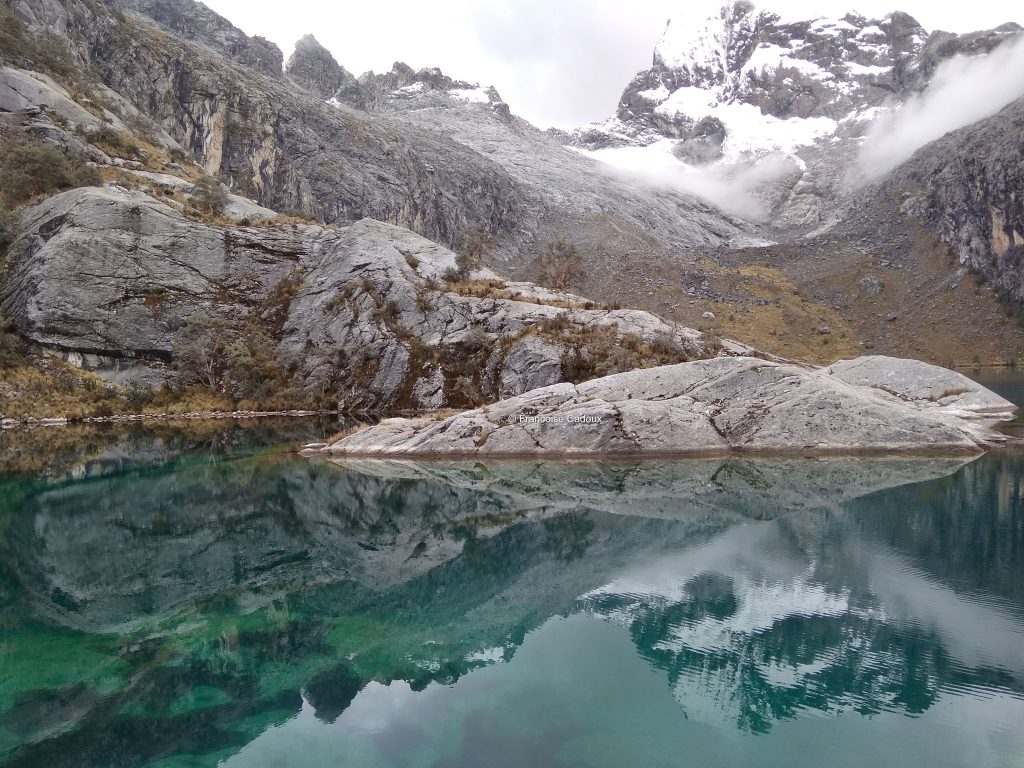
(313,67)
(971,181)
(195,21)
(110,278)
(711,406)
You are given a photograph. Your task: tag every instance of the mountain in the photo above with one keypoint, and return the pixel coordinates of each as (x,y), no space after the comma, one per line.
(157,100)
(775,119)
(747,89)
(227,99)
(157,96)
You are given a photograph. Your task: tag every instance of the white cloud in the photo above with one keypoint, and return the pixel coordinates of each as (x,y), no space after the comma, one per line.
(962,91)
(732,187)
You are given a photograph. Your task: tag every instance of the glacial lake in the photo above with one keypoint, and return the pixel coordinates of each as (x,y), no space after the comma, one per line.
(210,600)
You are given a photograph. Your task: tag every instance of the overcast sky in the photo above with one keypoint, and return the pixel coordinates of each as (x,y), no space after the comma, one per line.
(556,62)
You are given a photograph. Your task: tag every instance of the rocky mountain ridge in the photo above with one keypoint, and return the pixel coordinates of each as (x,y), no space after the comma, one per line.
(785,102)
(289,150)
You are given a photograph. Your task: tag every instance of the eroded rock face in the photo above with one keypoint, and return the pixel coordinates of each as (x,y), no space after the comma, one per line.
(313,67)
(374,310)
(197,22)
(109,278)
(719,405)
(116,273)
(972,180)
(382,148)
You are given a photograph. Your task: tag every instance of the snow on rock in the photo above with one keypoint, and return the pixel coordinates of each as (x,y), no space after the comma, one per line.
(728,91)
(474,95)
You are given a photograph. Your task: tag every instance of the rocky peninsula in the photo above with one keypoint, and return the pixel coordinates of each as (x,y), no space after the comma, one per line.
(716,406)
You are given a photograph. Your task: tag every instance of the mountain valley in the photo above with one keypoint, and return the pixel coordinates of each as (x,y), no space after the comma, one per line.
(727,198)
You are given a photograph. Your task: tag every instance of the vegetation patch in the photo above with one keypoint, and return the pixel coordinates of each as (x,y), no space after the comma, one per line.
(30,168)
(560,264)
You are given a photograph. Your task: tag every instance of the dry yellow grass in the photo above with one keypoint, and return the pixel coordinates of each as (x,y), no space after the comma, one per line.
(56,391)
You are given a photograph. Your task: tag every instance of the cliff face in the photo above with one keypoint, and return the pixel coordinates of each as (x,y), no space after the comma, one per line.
(223,97)
(967,185)
(438,156)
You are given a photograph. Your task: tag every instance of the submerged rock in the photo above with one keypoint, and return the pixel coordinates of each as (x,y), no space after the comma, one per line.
(720,405)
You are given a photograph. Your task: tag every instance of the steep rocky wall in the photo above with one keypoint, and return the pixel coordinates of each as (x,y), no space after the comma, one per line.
(969,185)
(284,146)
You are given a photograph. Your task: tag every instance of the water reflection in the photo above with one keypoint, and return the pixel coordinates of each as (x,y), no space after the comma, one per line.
(401,613)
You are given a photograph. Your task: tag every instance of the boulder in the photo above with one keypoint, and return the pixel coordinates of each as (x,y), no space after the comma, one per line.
(721,405)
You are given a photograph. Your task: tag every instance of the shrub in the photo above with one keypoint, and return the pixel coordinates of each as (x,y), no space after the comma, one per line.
(46,51)
(113,142)
(476,340)
(712,340)
(475,244)
(12,348)
(392,309)
(139,396)
(8,223)
(665,346)
(198,352)
(209,195)
(252,370)
(29,167)
(560,264)
(240,364)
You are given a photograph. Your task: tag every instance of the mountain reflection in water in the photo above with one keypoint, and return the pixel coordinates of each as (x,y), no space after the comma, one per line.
(263,610)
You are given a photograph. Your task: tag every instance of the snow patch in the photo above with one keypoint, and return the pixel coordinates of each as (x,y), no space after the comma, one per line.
(750,132)
(863,70)
(774,57)
(658,94)
(409,90)
(871,31)
(693,41)
(473,95)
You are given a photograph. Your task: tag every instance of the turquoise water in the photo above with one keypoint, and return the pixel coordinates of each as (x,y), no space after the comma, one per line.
(175,602)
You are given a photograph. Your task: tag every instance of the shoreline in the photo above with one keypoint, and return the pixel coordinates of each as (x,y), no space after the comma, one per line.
(734,453)
(32,422)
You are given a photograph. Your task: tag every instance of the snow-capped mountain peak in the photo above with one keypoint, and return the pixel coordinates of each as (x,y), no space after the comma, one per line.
(745,92)
(705,50)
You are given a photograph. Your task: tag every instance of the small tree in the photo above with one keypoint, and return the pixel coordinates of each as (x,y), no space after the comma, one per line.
(29,168)
(561,264)
(475,244)
(198,352)
(12,348)
(237,363)
(209,195)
